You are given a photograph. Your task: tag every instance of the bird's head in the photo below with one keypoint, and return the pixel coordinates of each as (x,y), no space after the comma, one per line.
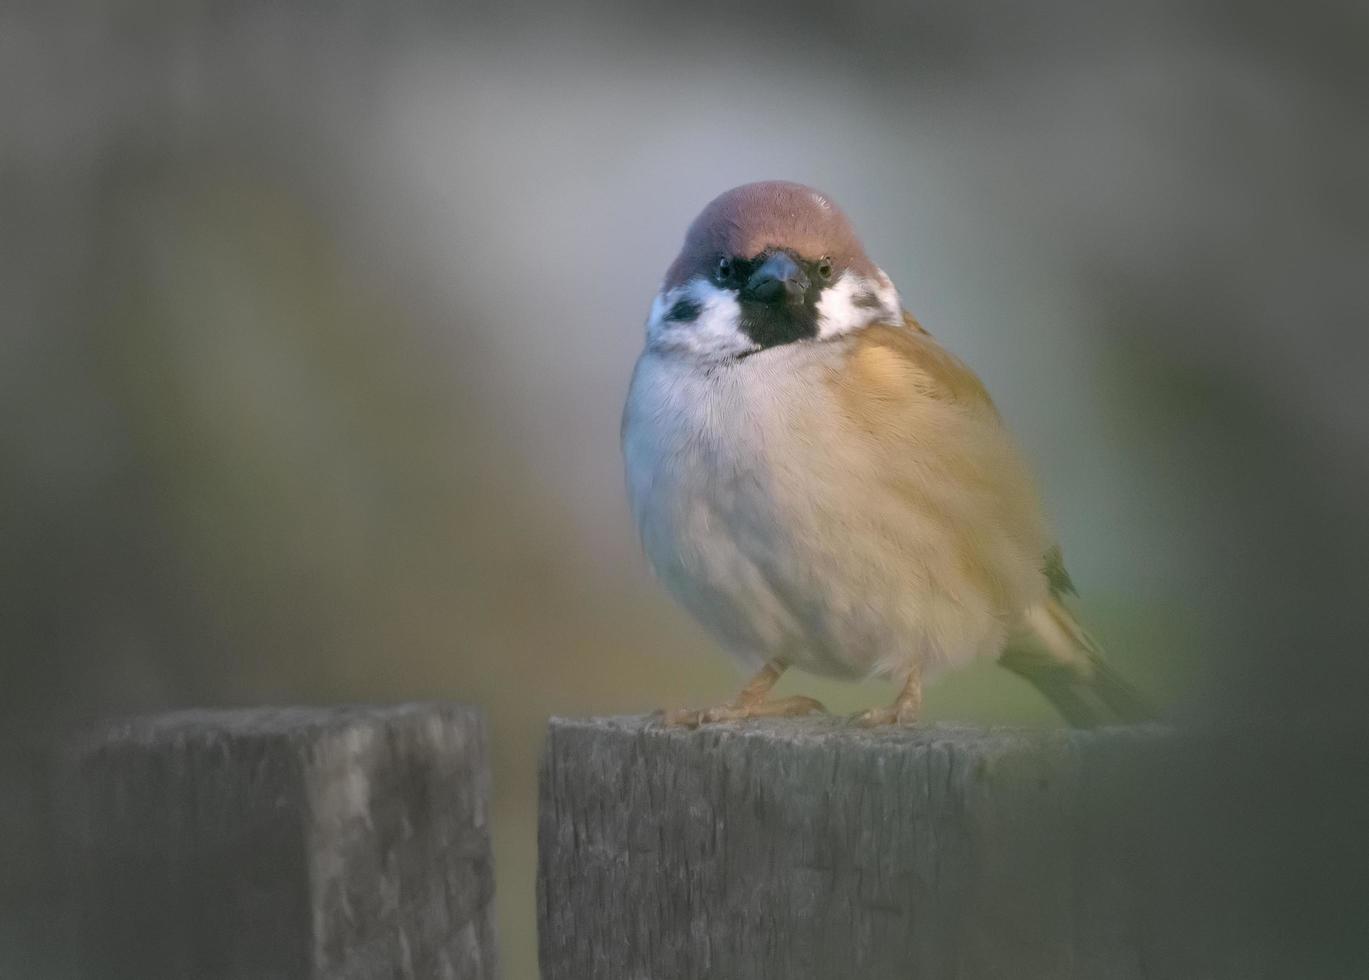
(765,265)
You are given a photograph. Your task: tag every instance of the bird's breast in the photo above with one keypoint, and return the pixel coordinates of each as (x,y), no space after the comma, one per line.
(741,489)
(793,520)
(720,433)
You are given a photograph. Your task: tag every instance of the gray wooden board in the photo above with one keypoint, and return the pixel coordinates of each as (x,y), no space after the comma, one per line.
(343,842)
(808,849)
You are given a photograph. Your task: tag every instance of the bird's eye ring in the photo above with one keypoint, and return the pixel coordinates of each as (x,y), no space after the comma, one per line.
(724,270)
(824,268)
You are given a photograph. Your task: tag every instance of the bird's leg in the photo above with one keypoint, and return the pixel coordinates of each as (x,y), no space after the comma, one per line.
(750,703)
(905,710)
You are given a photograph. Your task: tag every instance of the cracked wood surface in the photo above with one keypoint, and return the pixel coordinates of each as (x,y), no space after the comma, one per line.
(808,849)
(275,844)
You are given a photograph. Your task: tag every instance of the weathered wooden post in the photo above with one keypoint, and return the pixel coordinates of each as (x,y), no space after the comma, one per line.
(809,849)
(341,843)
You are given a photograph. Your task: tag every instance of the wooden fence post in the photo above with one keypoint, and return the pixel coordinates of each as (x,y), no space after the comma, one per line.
(348,843)
(808,850)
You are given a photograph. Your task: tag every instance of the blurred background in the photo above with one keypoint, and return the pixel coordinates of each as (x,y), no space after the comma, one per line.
(316,320)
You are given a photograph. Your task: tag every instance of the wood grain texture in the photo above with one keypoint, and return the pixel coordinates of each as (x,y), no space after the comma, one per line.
(807,849)
(344,842)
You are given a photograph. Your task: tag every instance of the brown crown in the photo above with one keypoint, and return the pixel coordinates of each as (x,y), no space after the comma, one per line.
(750,219)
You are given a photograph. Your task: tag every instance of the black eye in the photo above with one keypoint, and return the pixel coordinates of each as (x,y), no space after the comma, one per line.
(724,270)
(824,269)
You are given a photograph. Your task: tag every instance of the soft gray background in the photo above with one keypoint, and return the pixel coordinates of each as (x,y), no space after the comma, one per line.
(316,319)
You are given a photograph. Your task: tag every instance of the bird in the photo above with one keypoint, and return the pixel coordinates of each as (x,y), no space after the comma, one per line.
(823,485)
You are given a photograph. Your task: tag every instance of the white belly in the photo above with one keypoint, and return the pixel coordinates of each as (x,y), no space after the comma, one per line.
(778,529)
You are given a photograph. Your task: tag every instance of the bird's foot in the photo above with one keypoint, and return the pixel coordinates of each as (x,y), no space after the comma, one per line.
(791,707)
(906,709)
(893,714)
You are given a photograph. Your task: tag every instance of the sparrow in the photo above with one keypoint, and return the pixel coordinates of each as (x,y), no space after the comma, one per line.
(824,486)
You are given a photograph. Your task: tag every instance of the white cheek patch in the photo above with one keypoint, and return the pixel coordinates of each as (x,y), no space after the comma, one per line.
(856,301)
(703,319)
(698,317)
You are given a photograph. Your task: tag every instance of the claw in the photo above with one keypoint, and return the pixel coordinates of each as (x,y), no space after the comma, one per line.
(791,707)
(884,716)
(681,718)
(905,710)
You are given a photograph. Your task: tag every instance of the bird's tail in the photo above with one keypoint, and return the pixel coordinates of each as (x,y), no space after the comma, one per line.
(1065,664)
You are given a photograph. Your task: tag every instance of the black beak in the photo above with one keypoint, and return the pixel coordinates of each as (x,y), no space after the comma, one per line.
(778,280)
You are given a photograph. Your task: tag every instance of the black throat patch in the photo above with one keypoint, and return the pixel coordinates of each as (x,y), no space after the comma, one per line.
(776,324)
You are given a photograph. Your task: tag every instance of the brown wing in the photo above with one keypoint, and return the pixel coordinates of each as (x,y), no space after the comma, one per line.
(947,455)
(891,363)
